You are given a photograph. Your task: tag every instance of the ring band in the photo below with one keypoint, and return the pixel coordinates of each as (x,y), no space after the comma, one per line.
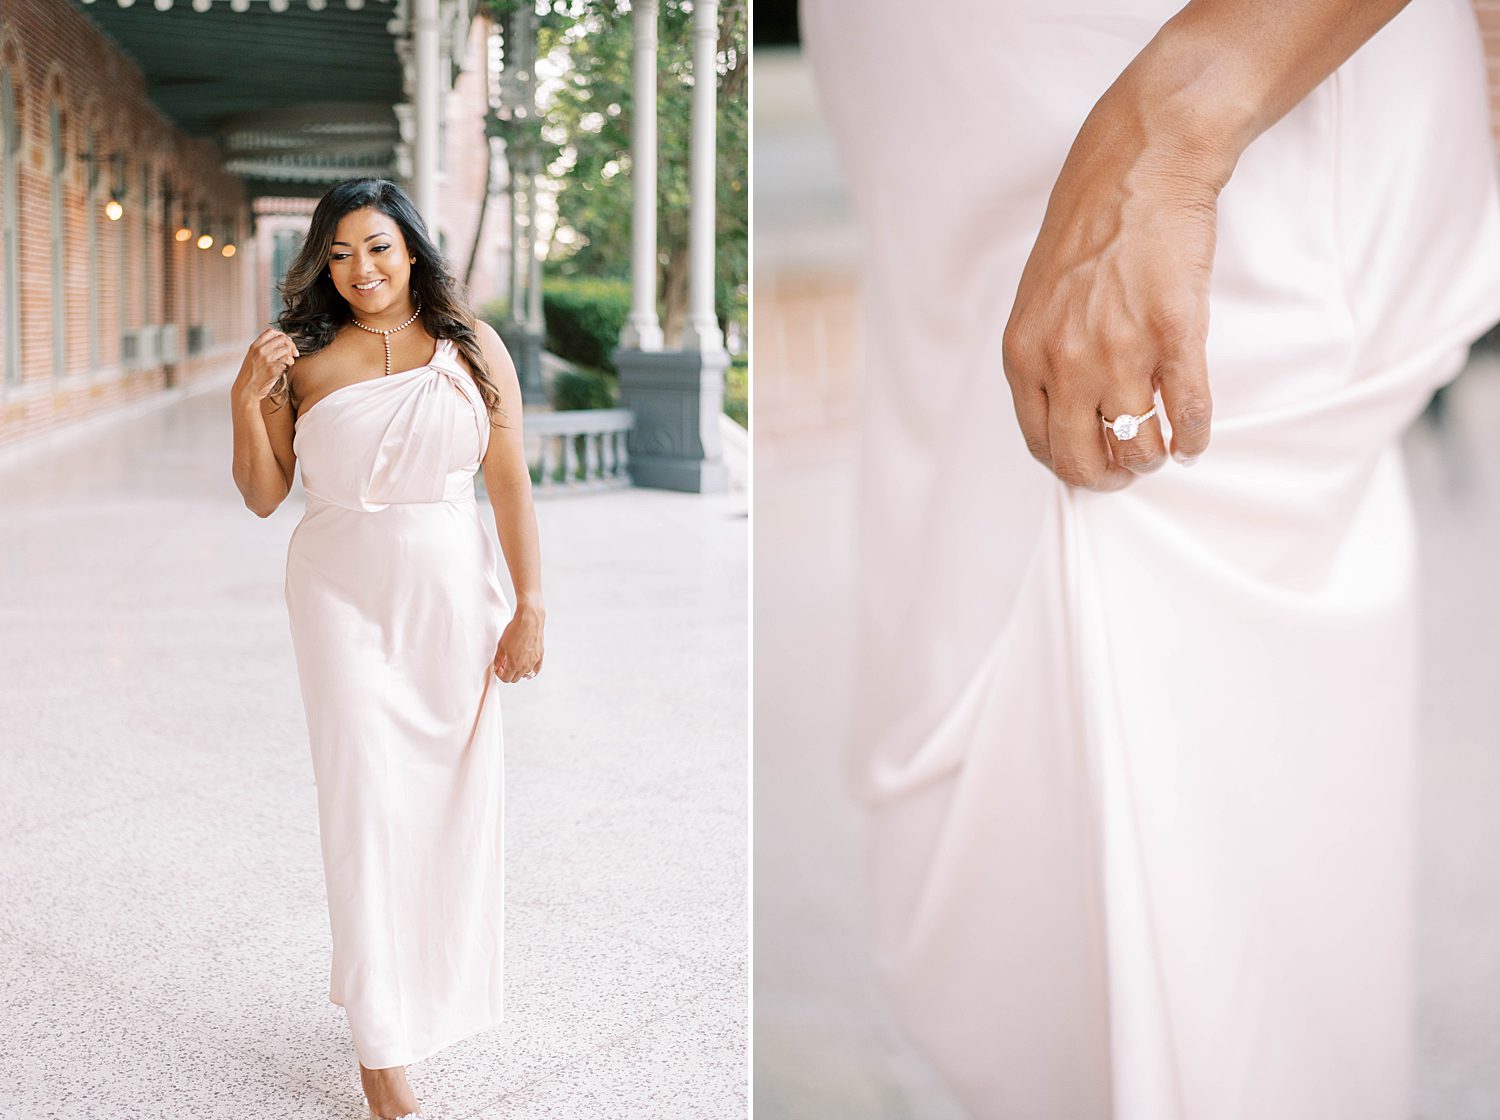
(1125,425)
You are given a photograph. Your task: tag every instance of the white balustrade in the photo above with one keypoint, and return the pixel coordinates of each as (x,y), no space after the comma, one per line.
(579,449)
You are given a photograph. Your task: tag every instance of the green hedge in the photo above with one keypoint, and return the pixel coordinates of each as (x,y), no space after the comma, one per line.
(737,390)
(584,388)
(493,313)
(584,318)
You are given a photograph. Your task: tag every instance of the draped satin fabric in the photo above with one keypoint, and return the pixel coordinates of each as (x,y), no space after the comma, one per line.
(1142,765)
(393,594)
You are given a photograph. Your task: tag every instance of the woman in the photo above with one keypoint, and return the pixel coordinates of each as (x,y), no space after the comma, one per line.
(393,394)
(1139,735)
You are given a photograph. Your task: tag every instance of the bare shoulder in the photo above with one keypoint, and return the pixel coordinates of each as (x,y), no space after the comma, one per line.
(311,375)
(304,372)
(502,374)
(329,357)
(493,348)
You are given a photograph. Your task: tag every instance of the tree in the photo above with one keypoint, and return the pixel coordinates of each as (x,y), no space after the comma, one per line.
(588,114)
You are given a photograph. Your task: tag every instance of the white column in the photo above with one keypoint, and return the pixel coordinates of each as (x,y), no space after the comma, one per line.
(536,320)
(428,105)
(518,273)
(642,330)
(702,332)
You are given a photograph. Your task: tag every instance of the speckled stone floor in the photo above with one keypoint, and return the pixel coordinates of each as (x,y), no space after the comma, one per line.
(164,935)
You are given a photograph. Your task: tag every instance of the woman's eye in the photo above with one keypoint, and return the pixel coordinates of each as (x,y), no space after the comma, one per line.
(378,248)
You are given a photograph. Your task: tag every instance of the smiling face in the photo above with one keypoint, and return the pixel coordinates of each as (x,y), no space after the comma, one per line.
(370,264)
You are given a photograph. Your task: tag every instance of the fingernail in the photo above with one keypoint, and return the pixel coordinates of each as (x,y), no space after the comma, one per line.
(1185,460)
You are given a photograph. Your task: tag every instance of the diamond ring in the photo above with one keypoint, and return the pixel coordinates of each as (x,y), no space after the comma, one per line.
(1125,425)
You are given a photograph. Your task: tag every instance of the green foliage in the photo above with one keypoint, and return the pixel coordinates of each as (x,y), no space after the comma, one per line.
(584,388)
(589,120)
(494,313)
(584,317)
(737,391)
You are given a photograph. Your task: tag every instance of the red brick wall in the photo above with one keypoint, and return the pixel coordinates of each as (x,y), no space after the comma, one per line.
(1488,12)
(55,54)
(462,184)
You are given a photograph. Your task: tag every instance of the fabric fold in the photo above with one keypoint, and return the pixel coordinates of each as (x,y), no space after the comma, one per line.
(1142,776)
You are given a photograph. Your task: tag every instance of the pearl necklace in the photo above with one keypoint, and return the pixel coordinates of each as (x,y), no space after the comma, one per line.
(386,334)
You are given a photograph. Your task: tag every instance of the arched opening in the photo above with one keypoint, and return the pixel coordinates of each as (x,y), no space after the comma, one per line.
(10,143)
(57,164)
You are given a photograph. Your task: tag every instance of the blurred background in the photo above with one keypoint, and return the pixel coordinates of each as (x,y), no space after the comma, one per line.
(583,166)
(826,1042)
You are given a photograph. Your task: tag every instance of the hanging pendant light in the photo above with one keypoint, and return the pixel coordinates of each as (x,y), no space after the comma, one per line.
(114,207)
(205,238)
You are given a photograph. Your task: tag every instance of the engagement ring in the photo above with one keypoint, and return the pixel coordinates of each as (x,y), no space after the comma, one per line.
(1126,425)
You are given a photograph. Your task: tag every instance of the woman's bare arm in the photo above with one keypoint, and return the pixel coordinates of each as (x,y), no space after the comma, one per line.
(1113,302)
(1223,71)
(507,481)
(263,456)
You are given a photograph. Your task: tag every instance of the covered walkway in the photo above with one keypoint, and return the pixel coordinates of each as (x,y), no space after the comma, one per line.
(164,940)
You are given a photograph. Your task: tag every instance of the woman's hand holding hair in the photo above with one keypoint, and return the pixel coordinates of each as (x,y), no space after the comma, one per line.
(1112,305)
(263,455)
(270,355)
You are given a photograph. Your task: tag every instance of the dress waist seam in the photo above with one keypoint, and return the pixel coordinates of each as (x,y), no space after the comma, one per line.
(314,500)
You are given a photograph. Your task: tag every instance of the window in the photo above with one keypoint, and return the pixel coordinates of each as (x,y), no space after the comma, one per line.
(127,345)
(91,231)
(10,143)
(59,250)
(146,243)
(284,245)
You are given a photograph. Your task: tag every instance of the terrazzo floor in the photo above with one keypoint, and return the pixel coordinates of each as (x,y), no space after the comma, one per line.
(164,942)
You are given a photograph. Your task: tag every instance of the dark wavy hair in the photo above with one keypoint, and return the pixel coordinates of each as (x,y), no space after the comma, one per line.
(313,311)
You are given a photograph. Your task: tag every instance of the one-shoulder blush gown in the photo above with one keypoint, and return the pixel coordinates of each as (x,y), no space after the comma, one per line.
(393,593)
(1142,764)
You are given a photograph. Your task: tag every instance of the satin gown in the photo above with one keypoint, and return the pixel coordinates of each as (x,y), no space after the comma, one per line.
(395,604)
(1142,765)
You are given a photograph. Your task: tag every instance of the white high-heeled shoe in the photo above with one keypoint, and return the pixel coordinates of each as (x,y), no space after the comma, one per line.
(404,1116)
